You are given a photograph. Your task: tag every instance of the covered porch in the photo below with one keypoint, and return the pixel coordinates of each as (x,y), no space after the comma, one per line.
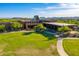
(54,26)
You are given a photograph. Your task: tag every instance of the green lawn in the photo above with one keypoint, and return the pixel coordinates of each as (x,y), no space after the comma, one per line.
(30,44)
(71,46)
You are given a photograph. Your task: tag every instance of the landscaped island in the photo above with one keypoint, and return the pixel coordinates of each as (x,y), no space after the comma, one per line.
(71,46)
(27,43)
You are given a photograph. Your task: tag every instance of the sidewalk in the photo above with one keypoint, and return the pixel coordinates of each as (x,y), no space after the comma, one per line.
(60,48)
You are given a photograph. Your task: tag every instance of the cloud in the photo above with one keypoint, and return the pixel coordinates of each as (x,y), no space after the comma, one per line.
(49,8)
(42,12)
(59,7)
(62,9)
(67,13)
(69,5)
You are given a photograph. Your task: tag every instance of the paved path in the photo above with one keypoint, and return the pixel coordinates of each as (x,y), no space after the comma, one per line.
(60,48)
(16,31)
(71,38)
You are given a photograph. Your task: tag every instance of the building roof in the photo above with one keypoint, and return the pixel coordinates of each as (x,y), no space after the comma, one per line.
(59,24)
(5,23)
(28,20)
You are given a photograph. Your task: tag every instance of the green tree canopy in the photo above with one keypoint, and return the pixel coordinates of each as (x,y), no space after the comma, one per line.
(64,28)
(2,27)
(39,28)
(16,25)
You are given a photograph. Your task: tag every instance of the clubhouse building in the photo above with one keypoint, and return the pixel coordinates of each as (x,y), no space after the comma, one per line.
(51,24)
(29,24)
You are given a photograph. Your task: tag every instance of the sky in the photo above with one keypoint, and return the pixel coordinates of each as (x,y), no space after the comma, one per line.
(41,9)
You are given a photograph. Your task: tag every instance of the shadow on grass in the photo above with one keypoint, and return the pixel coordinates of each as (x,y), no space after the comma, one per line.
(27,33)
(49,35)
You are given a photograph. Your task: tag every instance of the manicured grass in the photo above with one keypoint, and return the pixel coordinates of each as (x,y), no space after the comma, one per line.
(71,46)
(29,44)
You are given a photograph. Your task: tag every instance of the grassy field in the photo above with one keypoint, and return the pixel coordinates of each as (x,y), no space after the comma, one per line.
(26,44)
(71,46)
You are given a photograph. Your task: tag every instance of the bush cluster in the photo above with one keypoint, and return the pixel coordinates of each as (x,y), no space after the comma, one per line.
(13,27)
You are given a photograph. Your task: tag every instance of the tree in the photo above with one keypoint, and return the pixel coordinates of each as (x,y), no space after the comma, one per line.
(39,28)
(16,25)
(2,28)
(64,28)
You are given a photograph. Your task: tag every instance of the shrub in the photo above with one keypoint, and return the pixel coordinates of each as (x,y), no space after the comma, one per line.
(2,28)
(39,28)
(16,25)
(64,28)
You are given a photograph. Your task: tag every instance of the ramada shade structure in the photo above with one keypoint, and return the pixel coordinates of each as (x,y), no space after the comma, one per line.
(59,24)
(55,25)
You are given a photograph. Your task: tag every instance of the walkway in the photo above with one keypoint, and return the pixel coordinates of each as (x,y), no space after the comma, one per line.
(60,48)
(71,38)
(16,31)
